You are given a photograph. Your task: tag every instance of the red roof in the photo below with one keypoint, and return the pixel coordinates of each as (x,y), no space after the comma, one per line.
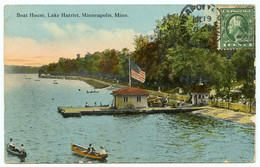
(200,89)
(130,91)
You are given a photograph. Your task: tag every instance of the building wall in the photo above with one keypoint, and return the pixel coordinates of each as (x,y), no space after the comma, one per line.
(132,100)
(199,99)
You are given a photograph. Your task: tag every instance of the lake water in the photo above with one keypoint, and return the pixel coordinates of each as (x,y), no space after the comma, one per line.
(31,118)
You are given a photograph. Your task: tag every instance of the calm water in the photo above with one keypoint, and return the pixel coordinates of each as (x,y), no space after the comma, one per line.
(31,118)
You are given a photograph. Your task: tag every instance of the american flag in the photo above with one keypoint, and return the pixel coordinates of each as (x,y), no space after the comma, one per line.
(137,73)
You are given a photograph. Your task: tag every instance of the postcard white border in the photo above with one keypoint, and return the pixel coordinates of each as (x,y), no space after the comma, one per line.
(85,2)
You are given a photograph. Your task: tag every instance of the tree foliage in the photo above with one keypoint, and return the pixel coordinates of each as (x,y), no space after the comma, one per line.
(180,53)
(109,63)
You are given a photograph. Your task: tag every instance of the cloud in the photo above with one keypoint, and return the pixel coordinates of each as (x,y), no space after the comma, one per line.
(67,41)
(23,51)
(150,33)
(17,60)
(55,30)
(79,27)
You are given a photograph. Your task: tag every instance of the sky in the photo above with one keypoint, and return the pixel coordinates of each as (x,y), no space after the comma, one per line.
(35,41)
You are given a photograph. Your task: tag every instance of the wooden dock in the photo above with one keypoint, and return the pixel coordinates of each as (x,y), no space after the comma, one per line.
(79,111)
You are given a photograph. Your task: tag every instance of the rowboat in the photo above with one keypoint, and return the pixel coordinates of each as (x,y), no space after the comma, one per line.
(17,153)
(83,152)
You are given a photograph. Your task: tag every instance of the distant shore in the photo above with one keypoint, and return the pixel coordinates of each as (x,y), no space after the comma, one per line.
(97,84)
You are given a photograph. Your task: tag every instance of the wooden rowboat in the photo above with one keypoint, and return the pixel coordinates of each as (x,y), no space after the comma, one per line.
(17,153)
(83,152)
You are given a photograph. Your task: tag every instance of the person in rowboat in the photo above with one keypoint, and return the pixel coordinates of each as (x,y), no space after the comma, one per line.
(12,146)
(22,150)
(90,149)
(102,151)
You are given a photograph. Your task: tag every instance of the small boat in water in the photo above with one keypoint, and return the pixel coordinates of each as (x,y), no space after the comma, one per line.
(83,152)
(16,152)
(55,82)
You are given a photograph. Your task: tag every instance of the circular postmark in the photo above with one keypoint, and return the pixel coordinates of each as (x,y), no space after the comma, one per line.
(205,15)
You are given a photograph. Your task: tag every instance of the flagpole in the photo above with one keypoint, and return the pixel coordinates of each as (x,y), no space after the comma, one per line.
(129,72)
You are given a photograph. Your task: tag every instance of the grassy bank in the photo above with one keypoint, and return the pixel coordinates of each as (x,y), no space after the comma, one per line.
(185,98)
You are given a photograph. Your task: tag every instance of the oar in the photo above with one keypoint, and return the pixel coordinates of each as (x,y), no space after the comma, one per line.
(82,159)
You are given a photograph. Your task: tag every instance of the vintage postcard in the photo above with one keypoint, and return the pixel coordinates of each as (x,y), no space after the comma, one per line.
(108,84)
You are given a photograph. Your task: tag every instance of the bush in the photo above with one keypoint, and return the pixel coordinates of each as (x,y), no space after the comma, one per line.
(173,104)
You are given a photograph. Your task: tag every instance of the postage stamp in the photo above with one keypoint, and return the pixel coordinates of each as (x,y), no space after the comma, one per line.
(237,28)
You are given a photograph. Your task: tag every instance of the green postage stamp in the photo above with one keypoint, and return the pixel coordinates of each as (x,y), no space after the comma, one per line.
(237,27)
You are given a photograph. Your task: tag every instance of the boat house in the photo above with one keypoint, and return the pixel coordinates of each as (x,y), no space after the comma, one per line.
(200,95)
(130,98)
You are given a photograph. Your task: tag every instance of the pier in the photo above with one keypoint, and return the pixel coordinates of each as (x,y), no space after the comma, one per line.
(80,111)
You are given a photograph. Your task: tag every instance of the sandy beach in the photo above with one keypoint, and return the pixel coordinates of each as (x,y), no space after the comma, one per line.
(229,115)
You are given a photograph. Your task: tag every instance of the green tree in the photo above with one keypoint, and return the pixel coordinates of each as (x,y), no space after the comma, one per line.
(244,62)
(110,62)
(52,67)
(176,39)
(213,66)
(228,77)
(92,62)
(146,56)
(187,66)
(174,30)
(80,65)
(123,63)
(201,37)
(213,39)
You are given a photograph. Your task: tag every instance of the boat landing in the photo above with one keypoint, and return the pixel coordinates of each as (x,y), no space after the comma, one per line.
(79,111)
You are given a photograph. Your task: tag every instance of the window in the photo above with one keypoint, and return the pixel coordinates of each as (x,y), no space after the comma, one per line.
(138,98)
(125,99)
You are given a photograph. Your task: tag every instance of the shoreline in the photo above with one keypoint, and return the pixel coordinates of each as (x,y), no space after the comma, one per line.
(227,115)
(97,84)
(220,113)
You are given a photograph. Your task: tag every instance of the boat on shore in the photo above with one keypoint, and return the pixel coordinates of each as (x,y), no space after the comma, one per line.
(17,153)
(83,152)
